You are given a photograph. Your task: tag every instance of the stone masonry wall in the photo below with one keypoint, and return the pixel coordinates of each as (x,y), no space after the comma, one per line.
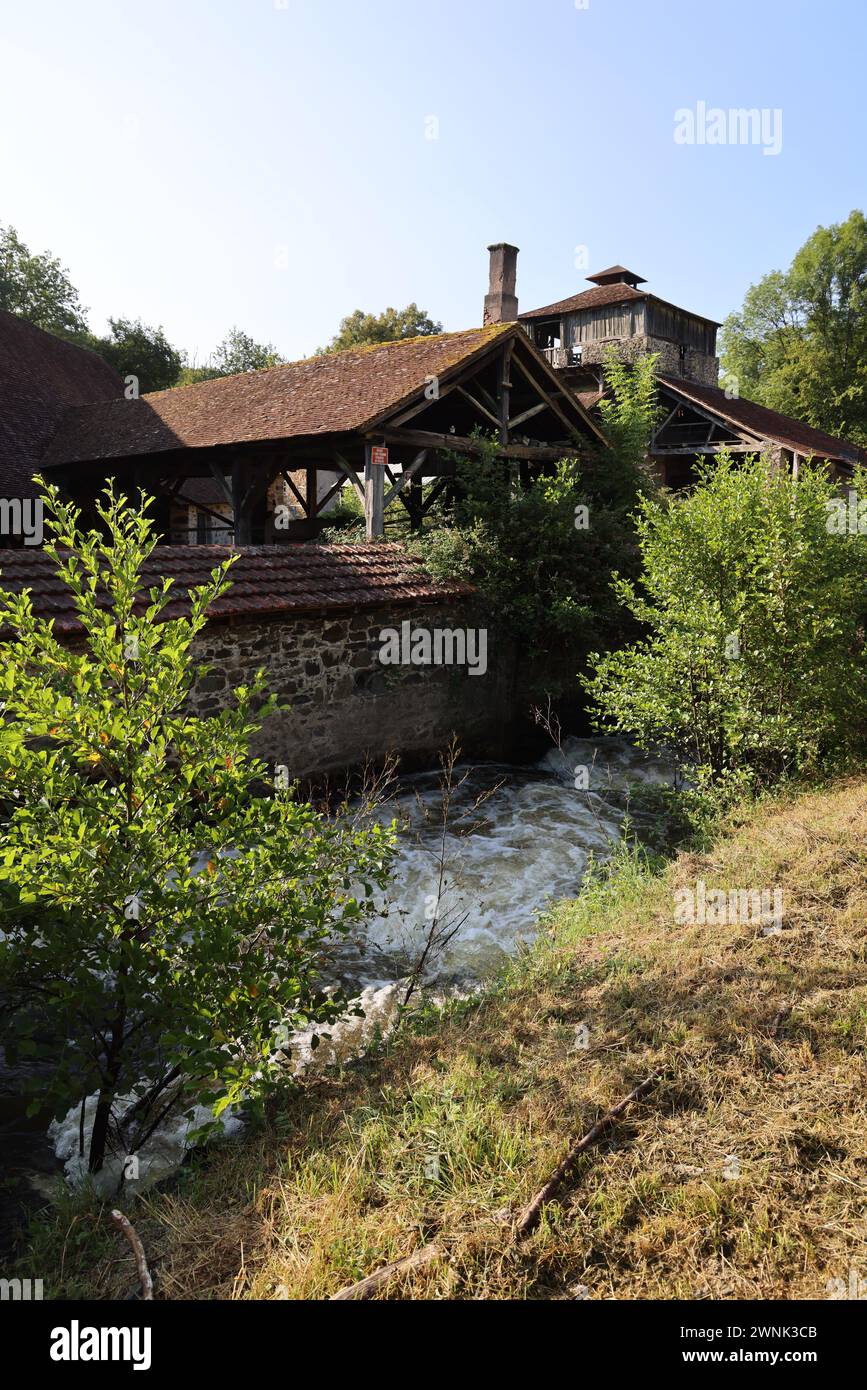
(697,366)
(346,705)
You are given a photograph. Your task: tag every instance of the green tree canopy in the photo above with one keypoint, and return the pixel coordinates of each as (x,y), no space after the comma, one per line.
(134,349)
(752,596)
(799,344)
(238,352)
(38,288)
(163,916)
(361,330)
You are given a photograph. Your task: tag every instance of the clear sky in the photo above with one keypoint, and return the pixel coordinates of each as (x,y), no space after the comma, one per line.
(201,163)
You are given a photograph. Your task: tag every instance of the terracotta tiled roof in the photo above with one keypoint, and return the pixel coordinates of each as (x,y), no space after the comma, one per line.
(266,580)
(601,295)
(757,420)
(40,378)
(616,270)
(333,394)
(587,299)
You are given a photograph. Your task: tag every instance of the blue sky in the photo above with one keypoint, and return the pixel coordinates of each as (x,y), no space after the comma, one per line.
(201,163)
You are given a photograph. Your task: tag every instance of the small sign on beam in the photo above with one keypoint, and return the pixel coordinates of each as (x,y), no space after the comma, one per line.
(379,456)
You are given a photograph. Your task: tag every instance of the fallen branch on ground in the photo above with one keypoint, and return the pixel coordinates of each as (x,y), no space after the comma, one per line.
(529,1217)
(365,1287)
(147,1283)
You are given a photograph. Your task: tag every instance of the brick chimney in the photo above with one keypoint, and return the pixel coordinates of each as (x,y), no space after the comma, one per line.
(501,303)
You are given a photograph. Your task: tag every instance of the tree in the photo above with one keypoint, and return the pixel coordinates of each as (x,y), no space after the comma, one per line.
(163,920)
(799,345)
(238,352)
(134,349)
(361,330)
(38,288)
(630,413)
(543,555)
(752,598)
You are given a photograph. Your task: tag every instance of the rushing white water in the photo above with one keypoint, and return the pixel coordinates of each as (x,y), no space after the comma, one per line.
(527,844)
(515,840)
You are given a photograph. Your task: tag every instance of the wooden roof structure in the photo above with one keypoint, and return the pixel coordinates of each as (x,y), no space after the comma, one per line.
(422,399)
(609,292)
(700,419)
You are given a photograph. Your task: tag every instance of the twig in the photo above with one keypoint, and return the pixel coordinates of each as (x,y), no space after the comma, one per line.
(147,1283)
(529,1217)
(779,1020)
(366,1287)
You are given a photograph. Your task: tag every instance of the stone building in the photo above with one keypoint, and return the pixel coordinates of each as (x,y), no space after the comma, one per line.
(313,617)
(699,415)
(576,333)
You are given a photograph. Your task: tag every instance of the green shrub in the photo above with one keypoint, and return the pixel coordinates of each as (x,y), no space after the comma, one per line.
(154,980)
(753,664)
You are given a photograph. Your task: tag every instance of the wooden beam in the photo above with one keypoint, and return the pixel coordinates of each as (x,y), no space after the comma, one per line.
(374,494)
(434,493)
(219,476)
(415,503)
(322,503)
(689,450)
(477,405)
(407,474)
(424,404)
(241,495)
(504,392)
(546,396)
(346,468)
(528,415)
(462,444)
(179,499)
(292,488)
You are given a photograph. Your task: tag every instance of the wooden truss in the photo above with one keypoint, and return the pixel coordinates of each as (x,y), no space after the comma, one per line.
(504,391)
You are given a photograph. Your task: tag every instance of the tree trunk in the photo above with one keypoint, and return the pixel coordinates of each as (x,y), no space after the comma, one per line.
(99,1133)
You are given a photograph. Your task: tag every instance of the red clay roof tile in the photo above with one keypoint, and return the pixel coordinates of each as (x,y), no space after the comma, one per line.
(332,394)
(302,580)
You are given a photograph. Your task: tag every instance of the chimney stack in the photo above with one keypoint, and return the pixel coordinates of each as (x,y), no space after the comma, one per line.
(501,303)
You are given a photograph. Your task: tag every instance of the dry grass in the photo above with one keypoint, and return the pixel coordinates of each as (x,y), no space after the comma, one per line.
(448,1132)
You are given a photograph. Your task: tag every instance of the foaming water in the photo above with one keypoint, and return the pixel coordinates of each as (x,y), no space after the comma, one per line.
(526,844)
(515,840)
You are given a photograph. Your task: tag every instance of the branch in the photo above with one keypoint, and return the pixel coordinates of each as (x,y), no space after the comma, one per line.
(147,1283)
(529,1218)
(365,1288)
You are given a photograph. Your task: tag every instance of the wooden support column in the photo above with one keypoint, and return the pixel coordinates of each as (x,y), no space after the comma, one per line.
(374,496)
(242,502)
(312,490)
(415,511)
(505,392)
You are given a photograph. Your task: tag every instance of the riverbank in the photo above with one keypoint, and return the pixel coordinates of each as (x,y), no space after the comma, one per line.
(740,1176)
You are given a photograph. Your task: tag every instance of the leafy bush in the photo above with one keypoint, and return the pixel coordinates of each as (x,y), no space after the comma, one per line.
(163,920)
(544,568)
(753,663)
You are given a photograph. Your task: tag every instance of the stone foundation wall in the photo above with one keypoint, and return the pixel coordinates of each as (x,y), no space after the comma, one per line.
(346,705)
(696,366)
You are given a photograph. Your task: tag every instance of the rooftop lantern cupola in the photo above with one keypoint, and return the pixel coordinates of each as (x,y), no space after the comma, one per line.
(617,275)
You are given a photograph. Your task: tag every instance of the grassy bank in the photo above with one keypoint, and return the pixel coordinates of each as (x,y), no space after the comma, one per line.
(741,1176)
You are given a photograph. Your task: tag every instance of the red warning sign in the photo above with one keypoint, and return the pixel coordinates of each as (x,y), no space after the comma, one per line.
(379,456)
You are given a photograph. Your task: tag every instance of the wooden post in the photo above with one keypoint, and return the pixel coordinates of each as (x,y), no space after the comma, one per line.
(415,495)
(312,491)
(374,496)
(241,502)
(504,392)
